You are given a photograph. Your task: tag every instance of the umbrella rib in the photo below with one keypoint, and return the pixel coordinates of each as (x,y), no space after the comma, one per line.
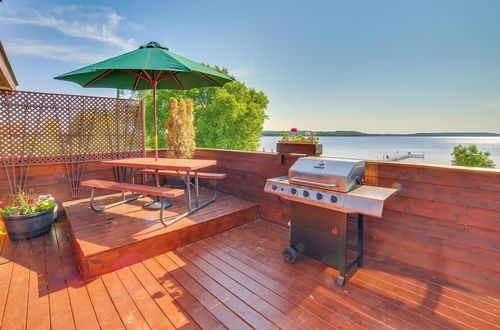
(177,81)
(159,73)
(105,73)
(147,75)
(167,75)
(136,74)
(204,75)
(137,81)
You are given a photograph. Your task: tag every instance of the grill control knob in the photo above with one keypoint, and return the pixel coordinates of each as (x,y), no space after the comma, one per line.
(333,199)
(305,193)
(319,196)
(293,191)
(274,187)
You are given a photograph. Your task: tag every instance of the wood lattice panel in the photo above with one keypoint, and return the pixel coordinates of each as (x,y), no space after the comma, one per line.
(43,128)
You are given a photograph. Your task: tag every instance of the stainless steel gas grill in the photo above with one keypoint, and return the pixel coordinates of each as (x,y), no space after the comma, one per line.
(323,191)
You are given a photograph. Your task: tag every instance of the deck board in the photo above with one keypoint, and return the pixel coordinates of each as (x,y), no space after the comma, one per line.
(128,233)
(234,280)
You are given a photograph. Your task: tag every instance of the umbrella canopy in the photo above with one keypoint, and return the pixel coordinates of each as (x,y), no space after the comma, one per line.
(151,66)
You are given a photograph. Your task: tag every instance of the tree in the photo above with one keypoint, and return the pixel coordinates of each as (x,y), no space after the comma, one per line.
(229,117)
(471,156)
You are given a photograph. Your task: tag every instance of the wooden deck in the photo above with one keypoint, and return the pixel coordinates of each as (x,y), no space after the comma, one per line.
(235,280)
(128,233)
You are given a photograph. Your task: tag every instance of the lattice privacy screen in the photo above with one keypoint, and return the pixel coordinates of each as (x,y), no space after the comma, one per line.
(42,128)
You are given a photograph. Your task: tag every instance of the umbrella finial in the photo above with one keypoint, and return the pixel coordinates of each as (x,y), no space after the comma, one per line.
(153,44)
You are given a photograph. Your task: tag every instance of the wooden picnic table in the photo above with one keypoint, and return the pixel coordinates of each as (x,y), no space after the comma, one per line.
(163,163)
(185,168)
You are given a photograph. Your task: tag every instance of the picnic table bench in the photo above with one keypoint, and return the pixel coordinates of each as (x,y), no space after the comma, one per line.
(160,192)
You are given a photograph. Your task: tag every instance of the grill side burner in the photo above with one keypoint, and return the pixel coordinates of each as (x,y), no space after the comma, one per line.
(323,191)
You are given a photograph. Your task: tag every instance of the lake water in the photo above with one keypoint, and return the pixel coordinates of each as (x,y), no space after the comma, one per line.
(436,149)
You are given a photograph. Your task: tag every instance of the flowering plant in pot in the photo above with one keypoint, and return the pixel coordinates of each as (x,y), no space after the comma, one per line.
(28,215)
(295,136)
(300,143)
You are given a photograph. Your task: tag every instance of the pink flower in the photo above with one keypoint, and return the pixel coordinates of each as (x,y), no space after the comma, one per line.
(294,130)
(32,201)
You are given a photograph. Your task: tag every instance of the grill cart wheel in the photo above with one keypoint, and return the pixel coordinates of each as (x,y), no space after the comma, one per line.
(289,254)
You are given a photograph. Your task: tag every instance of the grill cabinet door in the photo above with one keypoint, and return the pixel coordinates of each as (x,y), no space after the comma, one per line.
(320,234)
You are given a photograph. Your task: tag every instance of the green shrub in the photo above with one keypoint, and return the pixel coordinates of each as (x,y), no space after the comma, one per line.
(471,156)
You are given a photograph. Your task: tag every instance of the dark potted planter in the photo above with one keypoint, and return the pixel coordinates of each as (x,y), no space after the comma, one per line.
(30,225)
(305,148)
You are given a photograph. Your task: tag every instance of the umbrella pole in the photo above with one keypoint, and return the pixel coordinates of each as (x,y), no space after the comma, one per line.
(154,123)
(156,204)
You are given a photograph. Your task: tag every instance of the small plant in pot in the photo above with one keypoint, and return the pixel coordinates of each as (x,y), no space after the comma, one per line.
(180,134)
(28,216)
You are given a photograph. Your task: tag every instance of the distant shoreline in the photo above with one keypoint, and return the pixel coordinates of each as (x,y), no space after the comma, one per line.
(356,133)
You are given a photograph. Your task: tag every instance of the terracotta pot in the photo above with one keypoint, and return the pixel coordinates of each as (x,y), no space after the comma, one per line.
(305,148)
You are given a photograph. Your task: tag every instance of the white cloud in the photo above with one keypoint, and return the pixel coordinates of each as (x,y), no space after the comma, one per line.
(102,26)
(35,48)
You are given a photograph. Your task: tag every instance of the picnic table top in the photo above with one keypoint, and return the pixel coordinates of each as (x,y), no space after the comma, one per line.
(163,163)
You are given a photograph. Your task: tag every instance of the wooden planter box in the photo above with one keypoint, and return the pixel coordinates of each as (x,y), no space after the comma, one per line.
(306,148)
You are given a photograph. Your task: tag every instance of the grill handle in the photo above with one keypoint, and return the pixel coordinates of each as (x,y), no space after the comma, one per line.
(328,185)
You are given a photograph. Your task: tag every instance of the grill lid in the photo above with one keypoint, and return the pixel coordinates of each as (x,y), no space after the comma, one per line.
(336,174)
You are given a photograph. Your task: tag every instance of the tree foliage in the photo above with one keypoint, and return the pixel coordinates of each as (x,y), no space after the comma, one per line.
(229,117)
(470,155)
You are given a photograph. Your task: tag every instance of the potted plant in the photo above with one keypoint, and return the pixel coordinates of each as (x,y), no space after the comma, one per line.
(299,143)
(28,216)
(180,134)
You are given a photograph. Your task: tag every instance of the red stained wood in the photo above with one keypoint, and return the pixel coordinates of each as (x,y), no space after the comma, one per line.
(162,298)
(103,305)
(232,287)
(129,313)
(153,315)
(221,281)
(163,163)
(38,299)
(202,294)
(194,307)
(128,233)
(470,178)
(141,189)
(6,266)
(77,291)
(16,307)
(61,314)
(307,314)
(456,206)
(358,306)
(201,175)
(418,308)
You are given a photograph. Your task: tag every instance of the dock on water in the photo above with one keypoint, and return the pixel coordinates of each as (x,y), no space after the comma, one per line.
(400,156)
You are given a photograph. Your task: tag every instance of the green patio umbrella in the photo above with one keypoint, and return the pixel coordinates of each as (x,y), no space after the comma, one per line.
(149,67)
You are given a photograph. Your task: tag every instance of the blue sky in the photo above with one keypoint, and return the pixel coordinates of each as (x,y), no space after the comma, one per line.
(376,66)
